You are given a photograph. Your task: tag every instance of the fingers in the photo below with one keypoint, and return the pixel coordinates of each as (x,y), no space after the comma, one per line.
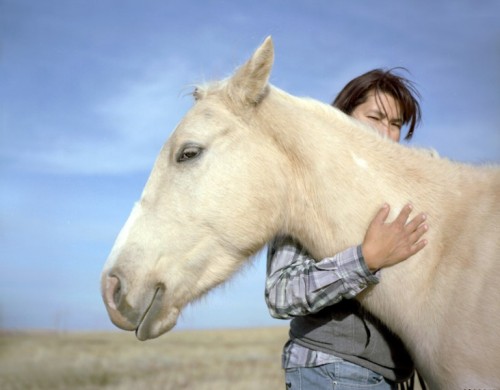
(416,222)
(404,214)
(414,229)
(382,214)
(415,225)
(418,232)
(417,247)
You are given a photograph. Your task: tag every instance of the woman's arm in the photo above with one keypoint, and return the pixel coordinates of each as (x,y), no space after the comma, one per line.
(297,285)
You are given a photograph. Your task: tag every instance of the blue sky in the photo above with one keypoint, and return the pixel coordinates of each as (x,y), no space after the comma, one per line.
(90,90)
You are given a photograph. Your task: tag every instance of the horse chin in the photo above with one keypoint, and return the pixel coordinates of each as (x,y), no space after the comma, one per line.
(155,328)
(152,325)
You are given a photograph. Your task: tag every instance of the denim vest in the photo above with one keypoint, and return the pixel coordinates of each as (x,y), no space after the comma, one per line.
(347,331)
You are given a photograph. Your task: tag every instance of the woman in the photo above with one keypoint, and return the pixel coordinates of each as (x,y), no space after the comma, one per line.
(333,342)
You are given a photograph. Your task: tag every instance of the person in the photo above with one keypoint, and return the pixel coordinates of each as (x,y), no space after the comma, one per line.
(333,342)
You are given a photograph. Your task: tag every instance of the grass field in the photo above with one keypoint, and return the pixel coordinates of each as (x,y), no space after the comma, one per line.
(201,360)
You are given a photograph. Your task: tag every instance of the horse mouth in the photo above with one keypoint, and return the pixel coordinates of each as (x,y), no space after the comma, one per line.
(151,324)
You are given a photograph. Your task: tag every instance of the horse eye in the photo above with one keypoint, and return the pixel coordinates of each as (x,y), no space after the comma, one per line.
(188,152)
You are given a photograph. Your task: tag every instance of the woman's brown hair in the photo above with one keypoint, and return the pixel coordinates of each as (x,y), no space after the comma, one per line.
(385,81)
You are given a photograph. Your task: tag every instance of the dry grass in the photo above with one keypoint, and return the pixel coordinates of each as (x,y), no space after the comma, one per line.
(201,360)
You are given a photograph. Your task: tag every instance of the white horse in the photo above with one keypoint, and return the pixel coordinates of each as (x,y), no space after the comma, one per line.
(250,161)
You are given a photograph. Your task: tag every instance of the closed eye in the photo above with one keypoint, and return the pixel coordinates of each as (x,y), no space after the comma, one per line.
(188,152)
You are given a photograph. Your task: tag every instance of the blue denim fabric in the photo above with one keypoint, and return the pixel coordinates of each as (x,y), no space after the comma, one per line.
(335,376)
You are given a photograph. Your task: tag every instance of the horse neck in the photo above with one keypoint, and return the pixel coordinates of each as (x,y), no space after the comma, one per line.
(331,159)
(343,173)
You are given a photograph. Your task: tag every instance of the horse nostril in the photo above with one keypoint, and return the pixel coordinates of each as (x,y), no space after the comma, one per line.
(113,292)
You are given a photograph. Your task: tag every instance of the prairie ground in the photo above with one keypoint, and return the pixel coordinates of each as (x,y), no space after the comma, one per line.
(201,360)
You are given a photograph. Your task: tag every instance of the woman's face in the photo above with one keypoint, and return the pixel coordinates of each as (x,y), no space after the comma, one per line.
(381,111)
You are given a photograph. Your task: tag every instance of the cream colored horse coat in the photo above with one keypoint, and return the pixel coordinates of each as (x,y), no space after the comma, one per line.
(250,161)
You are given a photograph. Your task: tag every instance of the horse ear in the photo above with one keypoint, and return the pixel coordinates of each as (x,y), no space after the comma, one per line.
(250,82)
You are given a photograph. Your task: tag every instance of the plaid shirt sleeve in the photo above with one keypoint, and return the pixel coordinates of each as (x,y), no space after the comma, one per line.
(297,285)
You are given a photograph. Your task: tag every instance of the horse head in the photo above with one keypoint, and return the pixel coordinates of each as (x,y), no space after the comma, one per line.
(212,200)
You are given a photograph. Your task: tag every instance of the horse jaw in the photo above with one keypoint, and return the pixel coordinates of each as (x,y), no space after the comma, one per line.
(152,273)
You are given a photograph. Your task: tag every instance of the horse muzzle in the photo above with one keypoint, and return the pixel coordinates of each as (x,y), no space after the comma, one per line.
(144,316)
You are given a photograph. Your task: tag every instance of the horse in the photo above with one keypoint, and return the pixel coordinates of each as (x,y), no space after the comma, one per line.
(249,161)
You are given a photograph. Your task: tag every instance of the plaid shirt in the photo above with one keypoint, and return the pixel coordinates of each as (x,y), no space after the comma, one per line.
(297,285)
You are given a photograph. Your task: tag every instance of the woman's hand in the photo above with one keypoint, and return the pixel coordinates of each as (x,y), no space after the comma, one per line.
(387,244)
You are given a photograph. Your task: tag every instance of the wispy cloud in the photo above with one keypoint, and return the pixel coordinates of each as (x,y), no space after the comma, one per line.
(122,132)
